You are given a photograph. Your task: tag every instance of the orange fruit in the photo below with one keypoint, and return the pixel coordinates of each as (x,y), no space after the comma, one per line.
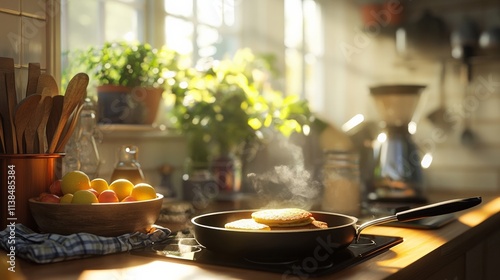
(84,197)
(122,188)
(67,198)
(143,191)
(74,181)
(99,184)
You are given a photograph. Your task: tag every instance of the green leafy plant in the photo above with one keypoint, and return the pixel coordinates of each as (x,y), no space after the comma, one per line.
(128,64)
(230,103)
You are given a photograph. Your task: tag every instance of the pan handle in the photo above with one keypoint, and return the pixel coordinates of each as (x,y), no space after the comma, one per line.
(435,209)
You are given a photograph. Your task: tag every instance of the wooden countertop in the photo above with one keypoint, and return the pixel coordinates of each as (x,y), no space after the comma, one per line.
(420,253)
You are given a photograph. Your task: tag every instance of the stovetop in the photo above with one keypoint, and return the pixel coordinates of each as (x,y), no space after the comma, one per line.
(183,246)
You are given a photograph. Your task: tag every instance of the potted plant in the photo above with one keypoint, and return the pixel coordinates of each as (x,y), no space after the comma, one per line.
(129,79)
(225,107)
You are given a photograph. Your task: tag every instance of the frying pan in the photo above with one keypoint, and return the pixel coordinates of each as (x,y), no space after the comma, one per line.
(342,230)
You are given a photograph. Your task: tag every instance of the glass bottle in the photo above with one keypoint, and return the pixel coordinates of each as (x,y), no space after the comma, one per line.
(341,182)
(88,154)
(128,167)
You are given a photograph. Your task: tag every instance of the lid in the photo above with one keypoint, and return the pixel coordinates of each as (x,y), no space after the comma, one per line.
(397,89)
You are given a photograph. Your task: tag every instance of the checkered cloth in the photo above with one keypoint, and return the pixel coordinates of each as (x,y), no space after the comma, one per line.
(49,247)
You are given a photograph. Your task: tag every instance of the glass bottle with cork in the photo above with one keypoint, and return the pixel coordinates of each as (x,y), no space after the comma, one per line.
(128,167)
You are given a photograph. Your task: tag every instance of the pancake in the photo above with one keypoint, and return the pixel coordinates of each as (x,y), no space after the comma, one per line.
(286,217)
(313,225)
(246,224)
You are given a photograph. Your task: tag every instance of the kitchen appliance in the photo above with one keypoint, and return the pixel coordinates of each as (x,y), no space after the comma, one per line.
(183,247)
(396,174)
(310,252)
(284,244)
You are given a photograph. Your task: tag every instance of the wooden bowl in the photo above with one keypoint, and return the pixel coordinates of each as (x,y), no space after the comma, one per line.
(103,219)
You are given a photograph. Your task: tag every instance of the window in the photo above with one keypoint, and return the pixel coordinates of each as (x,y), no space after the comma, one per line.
(92,22)
(203,28)
(303,50)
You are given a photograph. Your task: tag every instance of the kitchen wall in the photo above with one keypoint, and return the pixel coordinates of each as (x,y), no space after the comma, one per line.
(27,32)
(360,58)
(373,59)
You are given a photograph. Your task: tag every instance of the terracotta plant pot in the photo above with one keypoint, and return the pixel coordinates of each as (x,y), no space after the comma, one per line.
(123,105)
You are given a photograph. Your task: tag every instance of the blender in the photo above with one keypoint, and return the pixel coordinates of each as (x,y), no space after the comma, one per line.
(396,174)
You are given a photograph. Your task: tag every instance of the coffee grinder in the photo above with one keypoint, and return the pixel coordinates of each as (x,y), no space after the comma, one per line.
(396,174)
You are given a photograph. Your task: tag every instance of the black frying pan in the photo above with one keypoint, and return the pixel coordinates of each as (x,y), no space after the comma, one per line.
(342,230)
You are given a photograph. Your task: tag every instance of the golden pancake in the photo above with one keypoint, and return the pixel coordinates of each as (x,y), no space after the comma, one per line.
(285,217)
(246,224)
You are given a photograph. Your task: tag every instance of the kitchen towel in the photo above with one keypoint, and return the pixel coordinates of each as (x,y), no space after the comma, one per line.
(50,247)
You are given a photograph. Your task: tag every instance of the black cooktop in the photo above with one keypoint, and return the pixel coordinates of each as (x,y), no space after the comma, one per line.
(184,247)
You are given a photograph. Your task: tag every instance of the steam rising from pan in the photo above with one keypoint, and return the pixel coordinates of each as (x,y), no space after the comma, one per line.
(287,185)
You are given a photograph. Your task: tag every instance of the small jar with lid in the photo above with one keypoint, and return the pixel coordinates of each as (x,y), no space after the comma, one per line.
(341,183)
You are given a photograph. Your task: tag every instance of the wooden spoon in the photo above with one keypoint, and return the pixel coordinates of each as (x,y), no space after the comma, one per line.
(54,118)
(42,139)
(22,117)
(47,81)
(33,75)
(74,95)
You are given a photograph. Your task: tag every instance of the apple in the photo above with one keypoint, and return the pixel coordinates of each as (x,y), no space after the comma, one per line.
(96,193)
(55,188)
(108,196)
(128,199)
(50,198)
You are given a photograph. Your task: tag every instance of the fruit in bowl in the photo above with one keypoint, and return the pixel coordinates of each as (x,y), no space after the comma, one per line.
(99,211)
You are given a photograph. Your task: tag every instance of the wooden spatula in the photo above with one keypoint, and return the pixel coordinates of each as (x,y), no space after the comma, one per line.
(42,138)
(74,95)
(33,74)
(30,133)
(7,122)
(24,112)
(54,117)
(68,129)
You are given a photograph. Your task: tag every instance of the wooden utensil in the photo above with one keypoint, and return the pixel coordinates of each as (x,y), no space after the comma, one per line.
(68,129)
(54,118)
(30,133)
(42,139)
(22,117)
(47,81)
(2,142)
(33,75)
(74,95)
(7,123)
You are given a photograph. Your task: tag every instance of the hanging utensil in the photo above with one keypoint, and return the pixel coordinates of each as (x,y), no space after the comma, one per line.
(467,137)
(22,117)
(439,117)
(33,74)
(42,139)
(74,95)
